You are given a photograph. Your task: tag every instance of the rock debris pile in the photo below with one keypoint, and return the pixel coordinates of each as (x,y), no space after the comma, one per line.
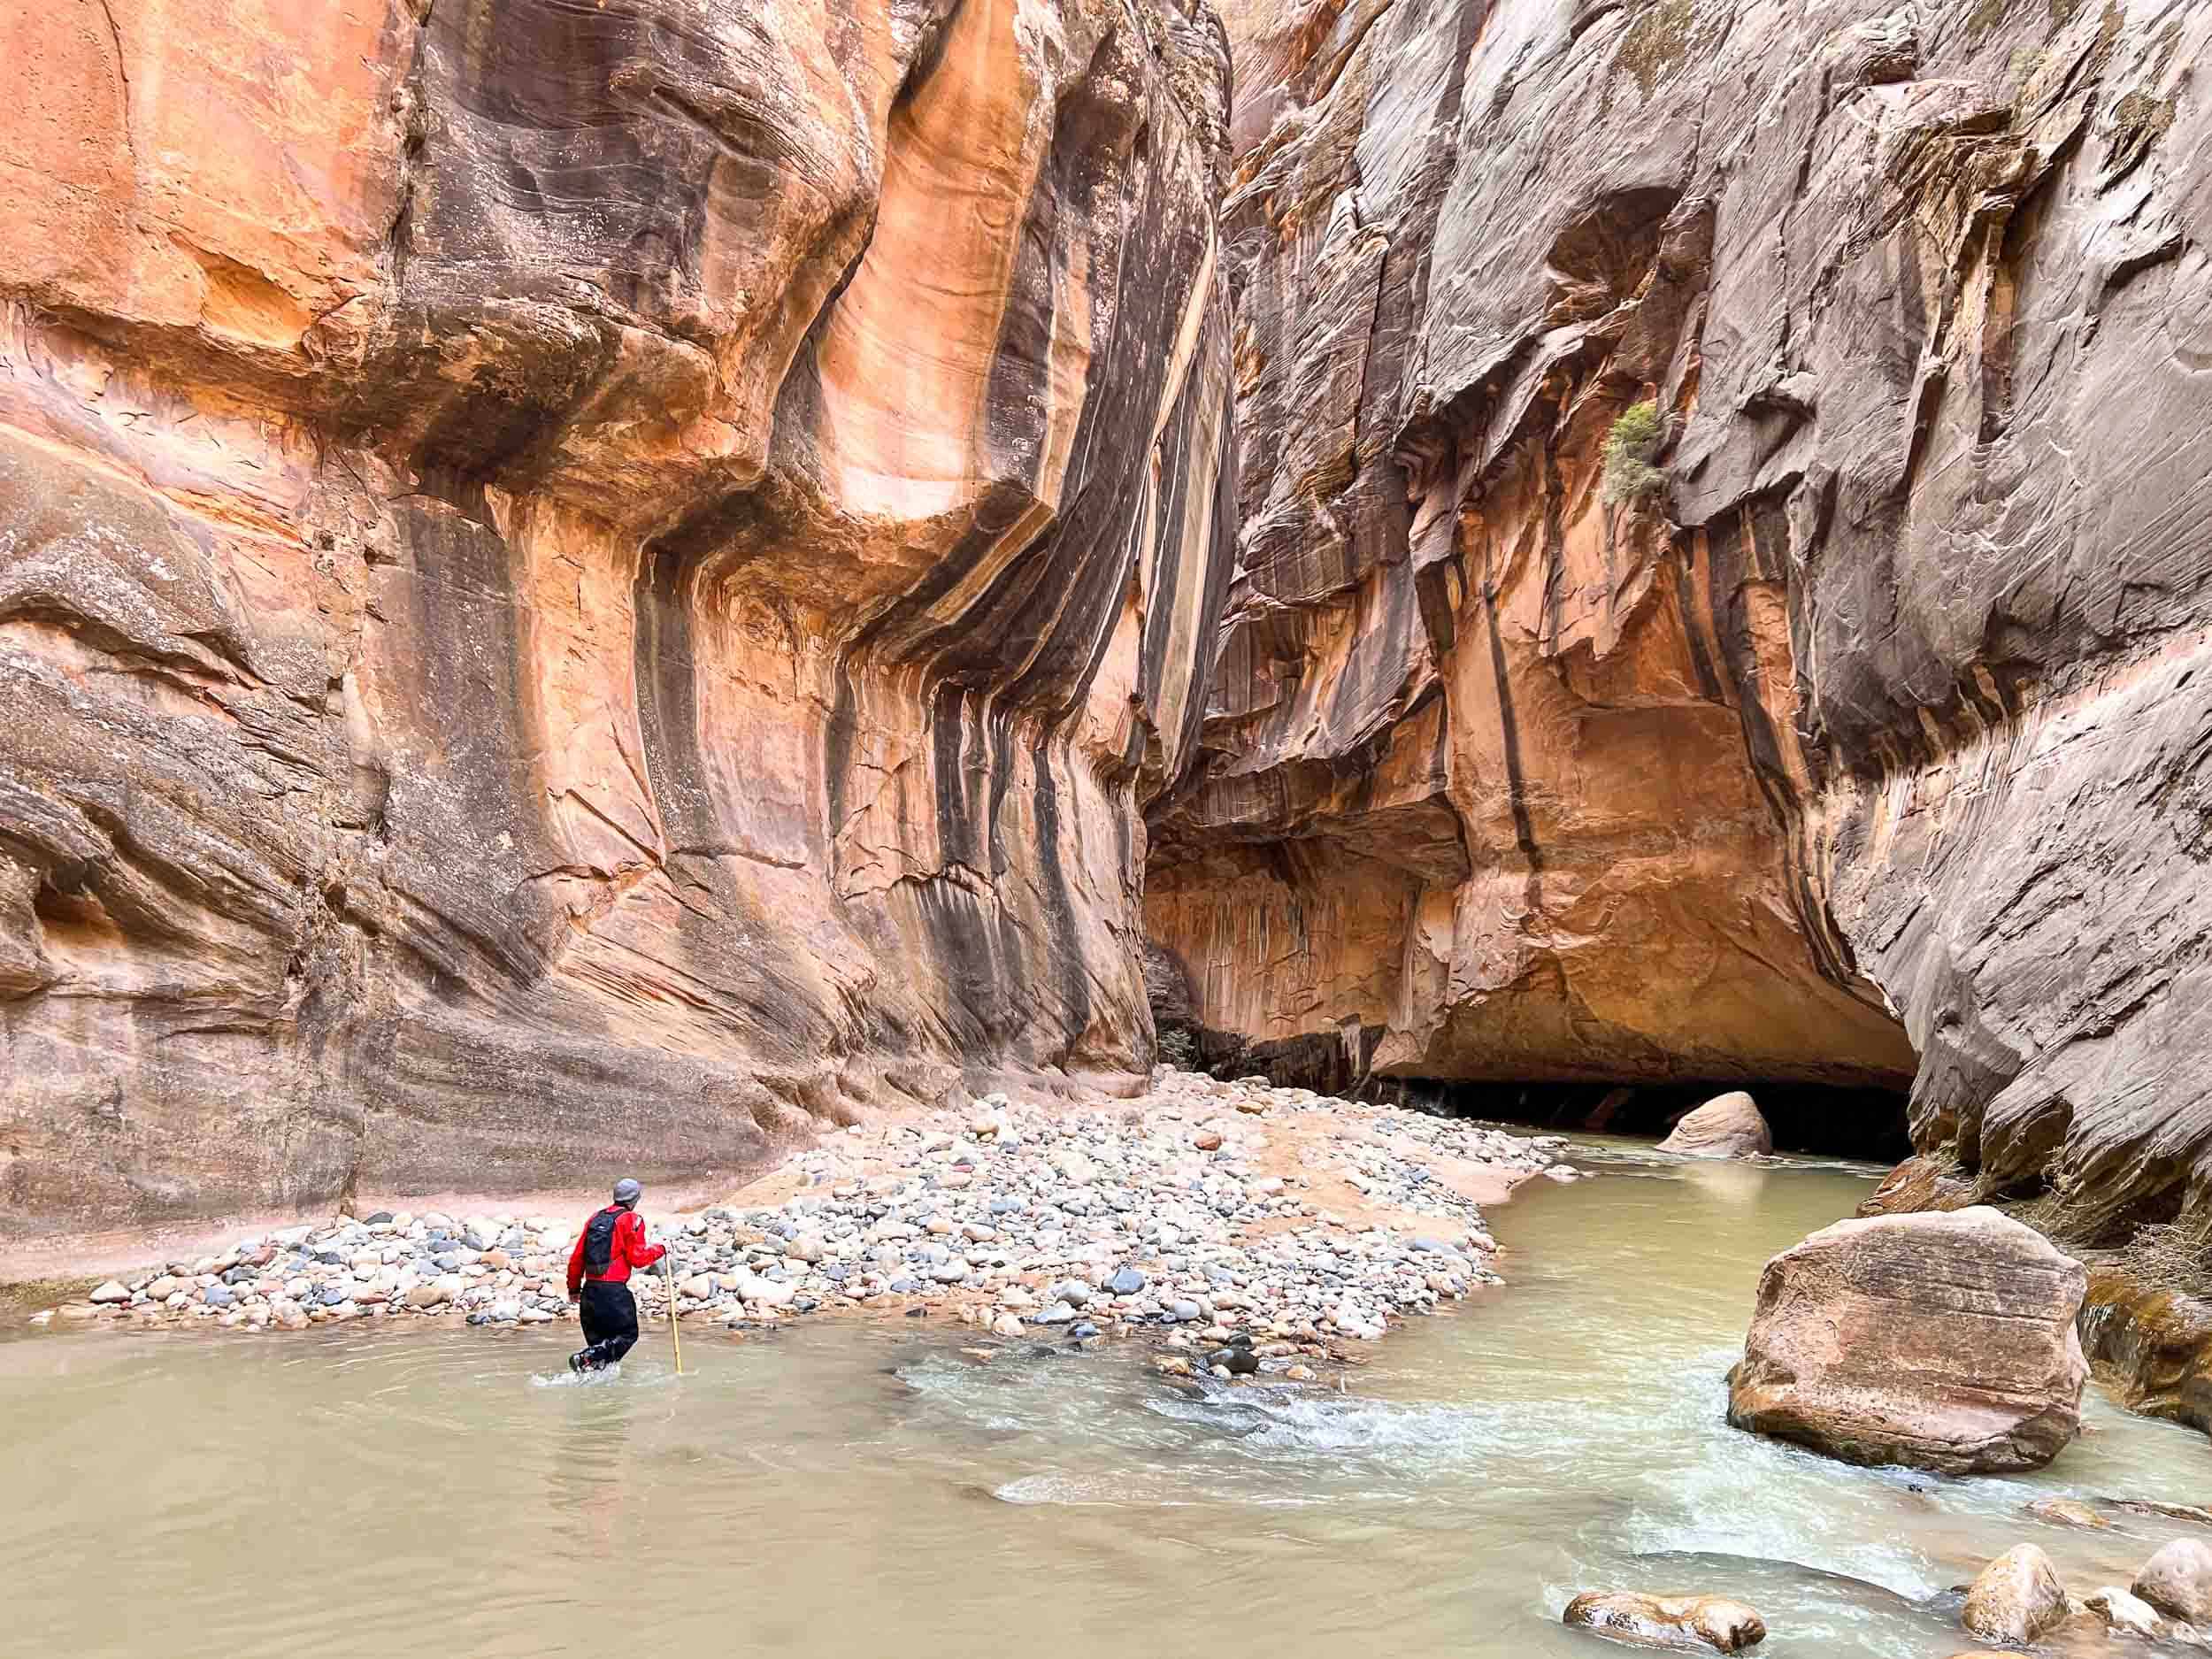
(1242,1223)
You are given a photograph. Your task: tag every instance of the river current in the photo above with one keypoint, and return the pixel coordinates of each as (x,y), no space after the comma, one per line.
(840,1489)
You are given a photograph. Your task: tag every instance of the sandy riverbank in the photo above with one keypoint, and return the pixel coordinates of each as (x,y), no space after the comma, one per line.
(1193,1212)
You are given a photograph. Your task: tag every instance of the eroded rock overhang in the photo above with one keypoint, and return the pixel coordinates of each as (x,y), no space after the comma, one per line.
(1852,751)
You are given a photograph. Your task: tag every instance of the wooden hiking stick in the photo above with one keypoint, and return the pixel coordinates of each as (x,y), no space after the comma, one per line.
(674,1335)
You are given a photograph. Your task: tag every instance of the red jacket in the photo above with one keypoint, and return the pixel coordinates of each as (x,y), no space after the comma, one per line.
(629,1249)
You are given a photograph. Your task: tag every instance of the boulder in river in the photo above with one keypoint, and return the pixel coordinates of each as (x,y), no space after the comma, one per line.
(1692,1622)
(2016,1597)
(1729,1126)
(1938,1342)
(2178,1580)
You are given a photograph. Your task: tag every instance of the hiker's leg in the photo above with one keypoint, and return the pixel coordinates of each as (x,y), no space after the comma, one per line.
(621,1315)
(592,1313)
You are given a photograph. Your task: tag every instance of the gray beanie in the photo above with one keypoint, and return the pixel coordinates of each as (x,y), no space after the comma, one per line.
(627,1191)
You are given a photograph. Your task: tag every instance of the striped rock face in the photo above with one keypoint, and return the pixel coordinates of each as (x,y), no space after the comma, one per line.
(582,583)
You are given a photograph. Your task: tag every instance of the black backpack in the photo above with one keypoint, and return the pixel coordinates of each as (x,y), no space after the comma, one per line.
(599,1239)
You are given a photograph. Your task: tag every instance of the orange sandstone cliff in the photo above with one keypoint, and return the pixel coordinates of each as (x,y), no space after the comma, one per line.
(584,582)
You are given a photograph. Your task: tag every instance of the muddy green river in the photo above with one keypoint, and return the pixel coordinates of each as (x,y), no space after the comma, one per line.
(842,1490)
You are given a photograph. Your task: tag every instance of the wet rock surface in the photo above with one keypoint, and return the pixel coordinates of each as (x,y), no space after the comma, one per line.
(2126,1614)
(1317,1223)
(2068,1513)
(2152,1342)
(1944,1343)
(2016,1597)
(1687,1623)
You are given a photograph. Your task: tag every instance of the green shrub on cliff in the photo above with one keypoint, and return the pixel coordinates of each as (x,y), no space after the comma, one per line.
(1628,446)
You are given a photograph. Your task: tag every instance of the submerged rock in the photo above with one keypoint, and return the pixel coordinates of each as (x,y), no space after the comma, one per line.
(2067,1512)
(2178,1580)
(1938,1342)
(2163,1512)
(1729,1126)
(1691,1622)
(2125,1614)
(2016,1597)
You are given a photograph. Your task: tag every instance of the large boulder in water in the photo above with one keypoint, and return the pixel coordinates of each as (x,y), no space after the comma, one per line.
(2178,1581)
(2016,1597)
(1692,1622)
(1729,1126)
(1939,1341)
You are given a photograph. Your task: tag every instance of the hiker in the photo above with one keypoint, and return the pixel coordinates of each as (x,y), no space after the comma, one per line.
(611,1243)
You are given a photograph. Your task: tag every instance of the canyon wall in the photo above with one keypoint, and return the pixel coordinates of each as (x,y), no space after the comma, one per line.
(585,586)
(615,583)
(1856,732)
